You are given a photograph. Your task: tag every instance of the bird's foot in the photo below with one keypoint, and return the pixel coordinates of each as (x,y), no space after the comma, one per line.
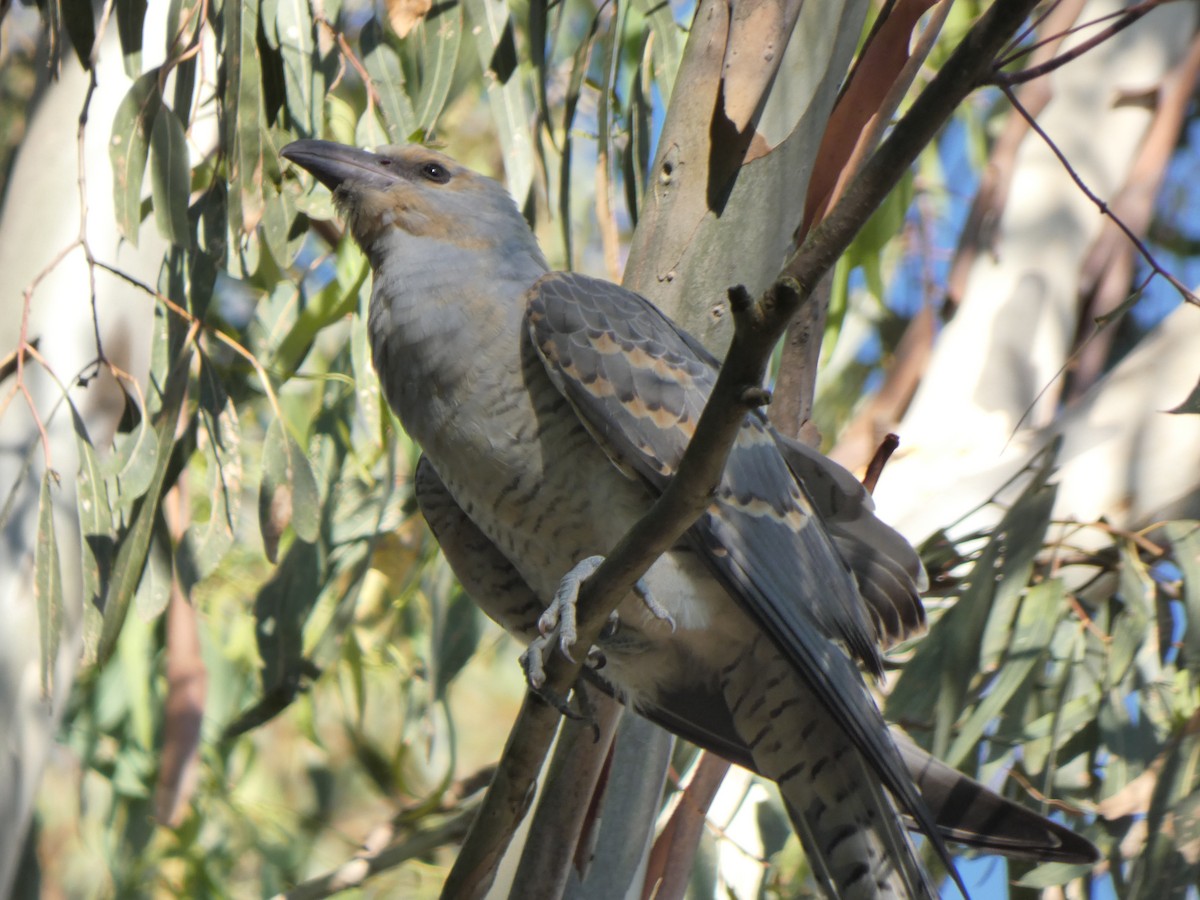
(533,661)
(558,624)
(560,616)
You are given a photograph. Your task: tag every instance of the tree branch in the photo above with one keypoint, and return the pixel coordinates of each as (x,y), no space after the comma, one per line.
(758,326)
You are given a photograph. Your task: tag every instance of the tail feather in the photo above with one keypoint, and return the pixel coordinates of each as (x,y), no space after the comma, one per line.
(852,833)
(969,813)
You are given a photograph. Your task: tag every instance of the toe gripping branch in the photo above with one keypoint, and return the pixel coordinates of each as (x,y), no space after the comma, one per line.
(557,627)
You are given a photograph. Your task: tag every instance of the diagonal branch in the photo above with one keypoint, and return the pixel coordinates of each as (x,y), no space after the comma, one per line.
(758,327)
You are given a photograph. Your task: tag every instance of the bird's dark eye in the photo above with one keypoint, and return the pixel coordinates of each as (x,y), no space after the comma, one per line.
(435,172)
(385,161)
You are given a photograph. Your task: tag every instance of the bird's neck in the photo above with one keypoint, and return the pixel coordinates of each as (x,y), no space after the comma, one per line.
(445,327)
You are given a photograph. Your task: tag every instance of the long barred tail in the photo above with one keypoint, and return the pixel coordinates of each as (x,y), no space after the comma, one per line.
(852,833)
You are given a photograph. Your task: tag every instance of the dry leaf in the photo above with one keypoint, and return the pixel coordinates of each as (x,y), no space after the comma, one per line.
(404,15)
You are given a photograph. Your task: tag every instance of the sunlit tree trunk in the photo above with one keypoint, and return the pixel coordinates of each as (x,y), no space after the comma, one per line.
(992,394)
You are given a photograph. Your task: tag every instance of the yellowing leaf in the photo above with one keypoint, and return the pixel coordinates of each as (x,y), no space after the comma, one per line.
(403,15)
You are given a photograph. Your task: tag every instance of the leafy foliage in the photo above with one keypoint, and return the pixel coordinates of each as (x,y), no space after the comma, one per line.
(261,474)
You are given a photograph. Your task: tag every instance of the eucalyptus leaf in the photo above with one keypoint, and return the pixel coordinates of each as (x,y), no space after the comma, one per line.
(129,148)
(154,588)
(439,37)
(489,21)
(1041,610)
(387,80)
(455,640)
(80,21)
(131,18)
(96,527)
(296,36)
(1052,874)
(280,609)
(170,176)
(243,116)
(47,585)
(1185,541)
(333,302)
(288,494)
(131,554)
(667,45)
(220,441)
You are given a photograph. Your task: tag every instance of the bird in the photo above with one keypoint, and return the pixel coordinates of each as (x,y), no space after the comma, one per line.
(551,409)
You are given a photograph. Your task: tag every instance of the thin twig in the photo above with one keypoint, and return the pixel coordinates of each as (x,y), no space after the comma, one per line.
(24,345)
(1124,20)
(195,323)
(372,860)
(374,101)
(1099,204)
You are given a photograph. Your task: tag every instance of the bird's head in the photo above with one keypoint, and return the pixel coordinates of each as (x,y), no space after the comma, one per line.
(410,190)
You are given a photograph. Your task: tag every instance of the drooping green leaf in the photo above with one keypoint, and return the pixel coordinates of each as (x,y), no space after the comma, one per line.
(288,494)
(295,34)
(340,119)
(877,235)
(1168,865)
(366,382)
(129,148)
(170,176)
(243,115)
(279,214)
(185,89)
(950,656)
(273,90)
(370,131)
(131,555)
(131,18)
(154,588)
(360,512)
(219,439)
(439,37)
(579,69)
(283,236)
(1024,533)
(1129,627)
(96,529)
(668,43)
(129,470)
(47,585)
(80,21)
(334,301)
(456,637)
(387,80)
(1040,611)
(490,22)
(280,609)
(1185,540)
(635,158)
(1046,733)
(183,21)
(1053,874)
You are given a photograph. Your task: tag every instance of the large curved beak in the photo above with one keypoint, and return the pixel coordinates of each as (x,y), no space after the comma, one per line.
(334,164)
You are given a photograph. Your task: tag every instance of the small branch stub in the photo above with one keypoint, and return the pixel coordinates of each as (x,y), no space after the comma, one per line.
(882,454)
(740,299)
(755,397)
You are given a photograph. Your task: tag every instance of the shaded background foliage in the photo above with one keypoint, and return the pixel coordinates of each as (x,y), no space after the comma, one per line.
(277,666)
